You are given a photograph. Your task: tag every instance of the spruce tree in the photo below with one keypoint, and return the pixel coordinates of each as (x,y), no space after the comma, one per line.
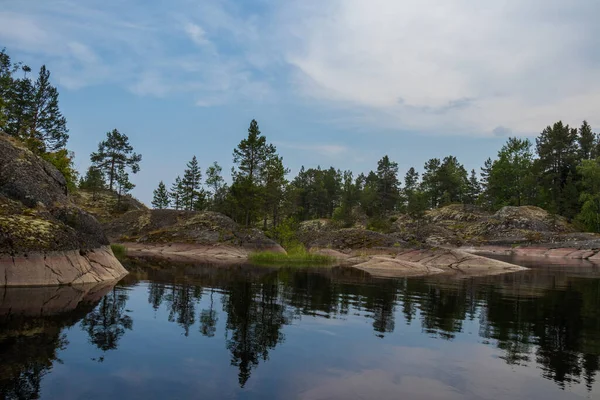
(250,156)
(177,193)
(473,189)
(192,179)
(161,197)
(587,140)
(557,157)
(18,106)
(114,153)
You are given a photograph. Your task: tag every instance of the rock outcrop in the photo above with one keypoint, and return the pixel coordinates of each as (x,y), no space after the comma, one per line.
(44,238)
(401,262)
(459,225)
(187,235)
(106,205)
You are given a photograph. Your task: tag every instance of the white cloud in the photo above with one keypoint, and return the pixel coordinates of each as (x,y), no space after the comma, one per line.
(196,34)
(453,65)
(421,65)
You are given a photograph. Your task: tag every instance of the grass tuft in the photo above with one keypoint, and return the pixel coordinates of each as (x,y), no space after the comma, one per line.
(297,255)
(119,250)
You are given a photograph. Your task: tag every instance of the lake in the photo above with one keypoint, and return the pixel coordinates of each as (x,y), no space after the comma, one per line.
(313,333)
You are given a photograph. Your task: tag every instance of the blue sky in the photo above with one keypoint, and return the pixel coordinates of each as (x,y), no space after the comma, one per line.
(331,82)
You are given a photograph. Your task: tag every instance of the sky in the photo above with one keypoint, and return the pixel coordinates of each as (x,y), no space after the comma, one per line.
(330,82)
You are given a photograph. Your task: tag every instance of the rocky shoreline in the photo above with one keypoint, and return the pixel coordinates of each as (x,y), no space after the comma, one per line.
(540,251)
(60,268)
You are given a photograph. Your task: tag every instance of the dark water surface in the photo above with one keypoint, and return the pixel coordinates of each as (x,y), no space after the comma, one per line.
(259,333)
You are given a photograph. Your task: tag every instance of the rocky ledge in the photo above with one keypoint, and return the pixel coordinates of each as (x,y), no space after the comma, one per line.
(206,237)
(401,262)
(44,238)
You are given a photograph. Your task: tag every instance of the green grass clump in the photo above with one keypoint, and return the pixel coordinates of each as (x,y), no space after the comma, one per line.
(296,255)
(119,250)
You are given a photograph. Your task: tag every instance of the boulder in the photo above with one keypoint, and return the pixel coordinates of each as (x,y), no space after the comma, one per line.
(44,238)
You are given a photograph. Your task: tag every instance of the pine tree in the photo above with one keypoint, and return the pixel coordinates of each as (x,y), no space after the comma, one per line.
(161,197)
(192,179)
(114,153)
(93,181)
(388,186)
(47,125)
(177,193)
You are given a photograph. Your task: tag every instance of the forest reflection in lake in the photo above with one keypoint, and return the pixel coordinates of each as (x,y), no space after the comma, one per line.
(247,332)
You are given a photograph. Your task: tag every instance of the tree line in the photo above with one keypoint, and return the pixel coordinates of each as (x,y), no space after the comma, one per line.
(560,173)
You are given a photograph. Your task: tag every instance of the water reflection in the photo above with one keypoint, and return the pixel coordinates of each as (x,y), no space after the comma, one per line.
(32,321)
(546,320)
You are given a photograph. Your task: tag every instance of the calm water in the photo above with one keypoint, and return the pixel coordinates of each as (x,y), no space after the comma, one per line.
(202,332)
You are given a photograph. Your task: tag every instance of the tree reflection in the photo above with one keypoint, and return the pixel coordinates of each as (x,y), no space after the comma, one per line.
(255,317)
(31,333)
(553,327)
(208,318)
(107,323)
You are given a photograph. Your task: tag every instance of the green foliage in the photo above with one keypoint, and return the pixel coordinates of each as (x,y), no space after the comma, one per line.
(63,161)
(124,186)
(285,233)
(161,198)
(380,224)
(119,250)
(29,110)
(509,179)
(298,256)
(115,154)
(590,198)
(218,187)
(251,156)
(93,181)
(557,150)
